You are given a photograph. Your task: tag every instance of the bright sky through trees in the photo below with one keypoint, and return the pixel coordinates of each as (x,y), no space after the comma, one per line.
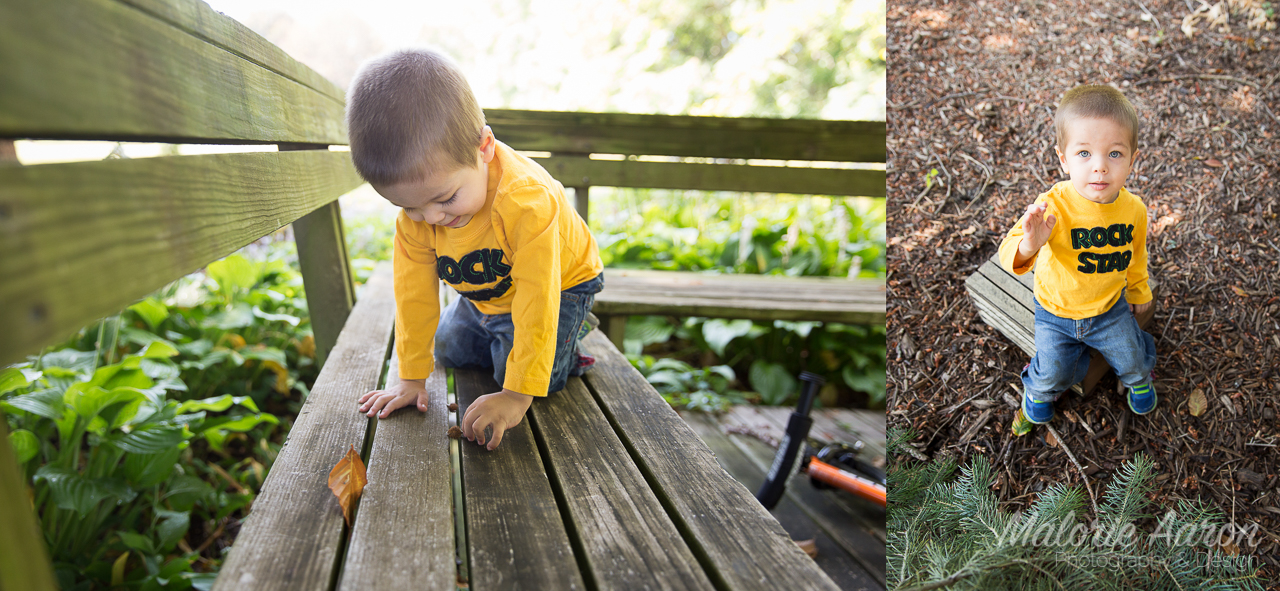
(780,58)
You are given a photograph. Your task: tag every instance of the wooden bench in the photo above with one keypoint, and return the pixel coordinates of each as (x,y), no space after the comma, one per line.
(849,533)
(754,297)
(1006,302)
(602,487)
(733,154)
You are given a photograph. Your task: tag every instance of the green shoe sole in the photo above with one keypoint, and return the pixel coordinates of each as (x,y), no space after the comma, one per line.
(1021,426)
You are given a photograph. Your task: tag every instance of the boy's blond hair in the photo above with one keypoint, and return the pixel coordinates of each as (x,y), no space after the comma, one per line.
(409,114)
(1096,102)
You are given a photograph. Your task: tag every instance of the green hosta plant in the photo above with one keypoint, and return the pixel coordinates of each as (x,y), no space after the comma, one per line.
(101,448)
(773,354)
(696,388)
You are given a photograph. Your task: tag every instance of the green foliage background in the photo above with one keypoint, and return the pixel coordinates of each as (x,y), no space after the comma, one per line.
(148,434)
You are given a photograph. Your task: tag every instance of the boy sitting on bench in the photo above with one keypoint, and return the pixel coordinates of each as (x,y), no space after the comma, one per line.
(1088,235)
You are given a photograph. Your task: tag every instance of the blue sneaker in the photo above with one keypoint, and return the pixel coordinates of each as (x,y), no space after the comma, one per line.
(1036,412)
(1142,399)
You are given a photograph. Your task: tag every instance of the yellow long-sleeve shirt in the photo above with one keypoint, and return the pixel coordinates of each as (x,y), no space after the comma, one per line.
(1093,252)
(515,256)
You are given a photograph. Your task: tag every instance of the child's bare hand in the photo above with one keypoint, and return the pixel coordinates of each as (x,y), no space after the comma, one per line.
(383,402)
(500,410)
(1139,309)
(1036,228)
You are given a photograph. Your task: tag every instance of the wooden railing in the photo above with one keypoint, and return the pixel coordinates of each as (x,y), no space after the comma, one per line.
(80,241)
(806,145)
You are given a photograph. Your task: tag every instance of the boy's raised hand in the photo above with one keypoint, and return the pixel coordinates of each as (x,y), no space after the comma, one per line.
(500,410)
(383,402)
(1036,228)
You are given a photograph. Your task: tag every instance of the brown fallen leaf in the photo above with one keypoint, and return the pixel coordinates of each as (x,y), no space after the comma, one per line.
(1196,403)
(455,432)
(1050,439)
(809,546)
(1240,292)
(347,480)
(1213,162)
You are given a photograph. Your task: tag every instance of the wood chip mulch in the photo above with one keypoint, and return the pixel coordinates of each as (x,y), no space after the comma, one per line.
(972,89)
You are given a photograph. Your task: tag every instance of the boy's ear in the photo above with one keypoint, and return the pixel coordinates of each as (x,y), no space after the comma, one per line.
(488,144)
(1062,162)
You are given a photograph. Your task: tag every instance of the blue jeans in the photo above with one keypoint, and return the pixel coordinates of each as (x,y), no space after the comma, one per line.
(1062,350)
(469,339)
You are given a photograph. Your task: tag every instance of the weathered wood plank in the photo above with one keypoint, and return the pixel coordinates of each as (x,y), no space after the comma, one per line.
(682,135)
(102,69)
(516,536)
(848,552)
(742,308)
(199,20)
(729,285)
(716,177)
(737,542)
(755,297)
(626,537)
(294,533)
(326,274)
(1019,287)
(829,424)
(89,238)
(404,537)
(24,562)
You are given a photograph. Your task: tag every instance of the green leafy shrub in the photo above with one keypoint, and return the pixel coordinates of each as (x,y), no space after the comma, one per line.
(741,233)
(772,354)
(102,448)
(138,466)
(698,388)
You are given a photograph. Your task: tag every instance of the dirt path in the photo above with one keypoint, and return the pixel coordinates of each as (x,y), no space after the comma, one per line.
(972,88)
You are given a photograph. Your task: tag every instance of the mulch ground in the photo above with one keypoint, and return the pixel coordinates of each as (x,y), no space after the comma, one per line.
(972,89)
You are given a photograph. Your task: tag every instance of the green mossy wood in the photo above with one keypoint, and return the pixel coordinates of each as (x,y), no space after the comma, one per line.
(114,70)
(683,135)
(715,177)
(90,238)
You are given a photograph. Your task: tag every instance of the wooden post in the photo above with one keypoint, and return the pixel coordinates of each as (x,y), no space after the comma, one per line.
(8,153)
(326,269)
(581,201)
(614,327)
(24,561)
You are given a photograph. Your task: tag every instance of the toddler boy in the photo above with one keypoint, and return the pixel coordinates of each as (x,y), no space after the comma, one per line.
(492,223)
(1088,236)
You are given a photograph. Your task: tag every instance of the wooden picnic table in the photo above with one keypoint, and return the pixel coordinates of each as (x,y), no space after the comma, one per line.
(603,486)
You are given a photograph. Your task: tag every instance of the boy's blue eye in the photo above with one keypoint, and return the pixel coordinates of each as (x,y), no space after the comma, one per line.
(1083,153)
(1116,154)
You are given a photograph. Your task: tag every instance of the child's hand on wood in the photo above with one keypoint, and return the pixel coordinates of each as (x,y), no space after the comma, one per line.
(500,410)
(1036,228)
(1139,309)
(382,402)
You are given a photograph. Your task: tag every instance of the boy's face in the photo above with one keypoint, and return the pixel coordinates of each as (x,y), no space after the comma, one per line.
(1098,157)
(447,199)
